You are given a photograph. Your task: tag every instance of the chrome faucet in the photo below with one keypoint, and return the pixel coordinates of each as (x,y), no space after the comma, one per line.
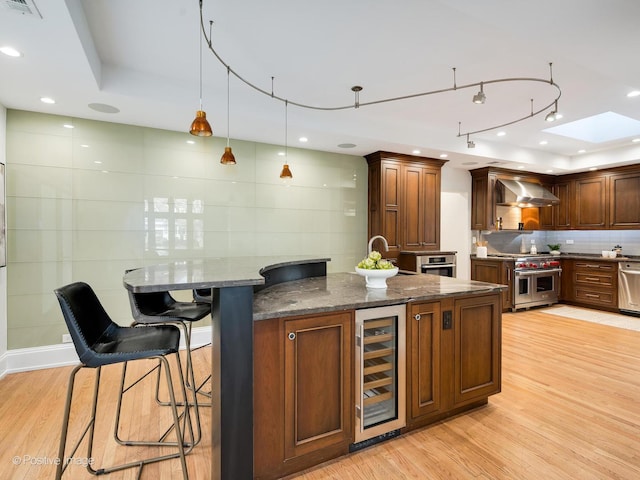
(384,240)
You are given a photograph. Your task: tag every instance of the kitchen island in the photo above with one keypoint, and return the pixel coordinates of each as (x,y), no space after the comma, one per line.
(274,317)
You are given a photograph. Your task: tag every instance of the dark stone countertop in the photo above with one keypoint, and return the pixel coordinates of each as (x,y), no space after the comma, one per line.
(347,291)
(569,256)
(209,273)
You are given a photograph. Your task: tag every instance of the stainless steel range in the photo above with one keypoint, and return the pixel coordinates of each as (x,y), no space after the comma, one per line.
(537,281)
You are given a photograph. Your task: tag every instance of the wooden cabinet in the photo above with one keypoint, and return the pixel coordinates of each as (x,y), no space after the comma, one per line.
(454,356)
(495,271)
(424,327)
(306,365)
(590,203)
(590,283)
(607,199)
(624,200)
(404,201)
(483,210)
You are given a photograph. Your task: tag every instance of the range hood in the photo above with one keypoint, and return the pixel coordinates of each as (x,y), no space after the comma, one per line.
(523,194)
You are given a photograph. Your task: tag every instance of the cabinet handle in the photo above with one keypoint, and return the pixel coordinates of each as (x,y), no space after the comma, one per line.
(417,316)
(591,295)
(291,336)
(592,279)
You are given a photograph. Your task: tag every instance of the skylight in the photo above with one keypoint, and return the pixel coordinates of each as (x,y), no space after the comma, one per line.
(604,127)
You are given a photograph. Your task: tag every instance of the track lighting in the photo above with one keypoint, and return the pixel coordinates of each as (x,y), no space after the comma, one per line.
(480,97)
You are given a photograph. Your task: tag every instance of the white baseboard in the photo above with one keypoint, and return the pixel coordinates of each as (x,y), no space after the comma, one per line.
(51,356)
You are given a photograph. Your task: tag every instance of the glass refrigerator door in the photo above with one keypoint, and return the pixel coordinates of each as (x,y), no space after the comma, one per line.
(380,371)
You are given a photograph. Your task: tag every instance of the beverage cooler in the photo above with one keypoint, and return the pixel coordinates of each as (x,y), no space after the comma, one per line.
(380,371)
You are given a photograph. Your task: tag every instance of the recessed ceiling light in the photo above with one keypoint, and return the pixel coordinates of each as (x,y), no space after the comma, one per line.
(67,125)
(543,142)
(303,139)
(190,142)
(97,162)
(281,154)
(593,168)
(443,155)
(521,167)
(634,93)
(47,100)
(582,150)
(103,108)
(636,140)
(501,134)
(84,145)
(549,171)
(346,145)
(416,152)
(10,51)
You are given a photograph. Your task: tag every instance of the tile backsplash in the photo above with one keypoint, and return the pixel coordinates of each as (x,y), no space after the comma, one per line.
(584,241)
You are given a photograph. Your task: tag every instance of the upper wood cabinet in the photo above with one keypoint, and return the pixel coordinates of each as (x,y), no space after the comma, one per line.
(607,199)
(624,200)
(590,203)
(404,201)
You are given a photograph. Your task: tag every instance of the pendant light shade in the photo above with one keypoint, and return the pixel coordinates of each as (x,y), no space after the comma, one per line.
(286,173)
(227,157)
(200,126)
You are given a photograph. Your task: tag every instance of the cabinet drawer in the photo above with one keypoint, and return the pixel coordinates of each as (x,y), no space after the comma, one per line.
(596,266)
(595,278)
(607,297)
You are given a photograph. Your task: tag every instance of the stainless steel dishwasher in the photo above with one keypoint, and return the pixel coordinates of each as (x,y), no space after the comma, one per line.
(629,287)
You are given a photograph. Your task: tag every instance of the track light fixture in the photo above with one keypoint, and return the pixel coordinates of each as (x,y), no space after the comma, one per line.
(227,156)
(200,126)
(480,96)
(553,115)
(470,143)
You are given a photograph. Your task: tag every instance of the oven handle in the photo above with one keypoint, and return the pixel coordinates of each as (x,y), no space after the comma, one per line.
(537,272)
(437,265)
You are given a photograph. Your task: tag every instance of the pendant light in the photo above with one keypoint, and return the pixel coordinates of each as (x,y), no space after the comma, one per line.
(286,172)
(227,156)
(200,126)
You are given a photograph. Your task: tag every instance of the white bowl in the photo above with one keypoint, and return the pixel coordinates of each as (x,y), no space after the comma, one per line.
(377,278)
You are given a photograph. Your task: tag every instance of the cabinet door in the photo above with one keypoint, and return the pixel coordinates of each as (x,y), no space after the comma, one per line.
(423,359)
(590,203)
(507,276)
(477,348)
(562,212)
(421,208)
(391,189)
(624,200)
(318,390)
(413,208)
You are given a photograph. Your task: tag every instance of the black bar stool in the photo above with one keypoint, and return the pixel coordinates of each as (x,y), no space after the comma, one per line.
(160,308)
(99,341)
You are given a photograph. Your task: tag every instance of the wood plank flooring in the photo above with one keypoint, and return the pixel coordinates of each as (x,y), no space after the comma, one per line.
(569,409)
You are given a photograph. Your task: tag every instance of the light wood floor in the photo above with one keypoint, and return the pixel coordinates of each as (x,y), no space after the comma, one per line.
(569,409)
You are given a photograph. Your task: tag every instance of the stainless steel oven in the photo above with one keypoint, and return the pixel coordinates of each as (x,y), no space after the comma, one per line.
(536,282)
(443,265)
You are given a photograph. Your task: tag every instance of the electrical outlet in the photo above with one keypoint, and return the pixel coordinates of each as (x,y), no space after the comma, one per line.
(569,242)
(66,338)
(533,242)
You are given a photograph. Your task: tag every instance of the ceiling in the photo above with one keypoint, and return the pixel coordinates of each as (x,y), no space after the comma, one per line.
(142,57)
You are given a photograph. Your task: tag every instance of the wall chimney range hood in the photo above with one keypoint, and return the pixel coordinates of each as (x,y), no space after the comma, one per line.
(519,193)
